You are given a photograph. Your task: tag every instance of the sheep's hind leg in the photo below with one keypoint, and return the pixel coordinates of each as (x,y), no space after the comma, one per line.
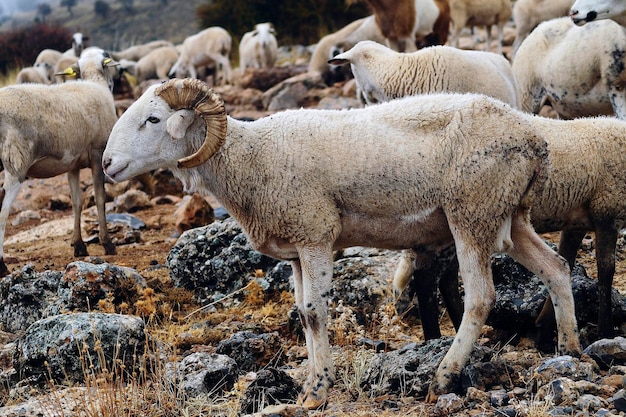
(312,281)
(606,240)
(77,205)
(480,295)
(569,243)
(10,190)
(531,251)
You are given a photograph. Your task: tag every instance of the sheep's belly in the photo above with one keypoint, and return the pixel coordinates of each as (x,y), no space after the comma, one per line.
(394,232)
(47,167)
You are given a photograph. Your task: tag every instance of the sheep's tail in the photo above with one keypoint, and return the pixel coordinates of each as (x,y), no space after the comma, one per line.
(404,271)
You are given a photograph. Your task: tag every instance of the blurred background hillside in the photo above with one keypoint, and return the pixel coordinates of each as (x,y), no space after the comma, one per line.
(28,26)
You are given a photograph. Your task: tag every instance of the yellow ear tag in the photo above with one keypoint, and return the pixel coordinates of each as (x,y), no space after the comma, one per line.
(106,61)
(69,72)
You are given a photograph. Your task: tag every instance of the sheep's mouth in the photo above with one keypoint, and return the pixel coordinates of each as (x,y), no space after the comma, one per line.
(115,175)
(590,17)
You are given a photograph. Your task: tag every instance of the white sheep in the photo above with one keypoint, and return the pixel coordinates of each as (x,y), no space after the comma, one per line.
(258,48)
(339,41)
(48,59)
(156,64)
(209,47)
(78,44)
(304,182)
(479,13)
(585,191)
(37,74)
(47,130)
(527,14)
(579,71)
(584,11)
(136,52)
(383,74)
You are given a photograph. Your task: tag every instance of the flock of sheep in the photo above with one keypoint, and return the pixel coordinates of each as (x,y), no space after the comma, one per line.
(447,151)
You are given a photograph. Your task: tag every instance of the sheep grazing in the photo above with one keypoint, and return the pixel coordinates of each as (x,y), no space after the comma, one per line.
(592,198)
(527,14)
(37,74)
(337,42)
(302,183)
(401,22)
(590,85)
(156,64)
(380,72)
(47,130)
(136,52)
(259,48)
(210,47)
(48,59)
(480,13)
(584,11)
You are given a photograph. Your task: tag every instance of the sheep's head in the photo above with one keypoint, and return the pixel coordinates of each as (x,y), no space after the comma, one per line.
(195,95)
(149,134)
(584,11)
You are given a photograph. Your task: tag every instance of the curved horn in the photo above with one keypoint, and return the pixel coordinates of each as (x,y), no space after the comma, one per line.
(195,95)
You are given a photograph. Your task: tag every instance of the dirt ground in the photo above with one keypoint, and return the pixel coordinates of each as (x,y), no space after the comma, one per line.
(49,247)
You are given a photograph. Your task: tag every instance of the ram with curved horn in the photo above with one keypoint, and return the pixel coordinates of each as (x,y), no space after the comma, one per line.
(303,183)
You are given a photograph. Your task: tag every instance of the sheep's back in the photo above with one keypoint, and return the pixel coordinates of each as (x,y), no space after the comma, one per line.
(405,156)
(586,172)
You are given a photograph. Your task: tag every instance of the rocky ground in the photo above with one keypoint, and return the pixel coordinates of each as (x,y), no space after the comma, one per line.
(39,233)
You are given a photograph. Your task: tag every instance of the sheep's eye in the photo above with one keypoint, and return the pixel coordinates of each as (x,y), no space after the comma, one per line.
(153,119)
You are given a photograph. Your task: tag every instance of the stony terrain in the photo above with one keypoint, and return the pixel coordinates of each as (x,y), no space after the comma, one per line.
(39,232)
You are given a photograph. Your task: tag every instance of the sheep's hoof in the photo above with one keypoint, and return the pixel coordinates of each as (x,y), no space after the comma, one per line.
(311,401)
(80,249)
(109,248)
(4,271)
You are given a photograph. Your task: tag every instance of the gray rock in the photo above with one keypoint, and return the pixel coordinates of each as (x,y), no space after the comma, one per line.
(608,352)
(250,351)
(563,366)
(66,346)
(27,296)
(84,284)
(215,260)
(207,373)
(271,387)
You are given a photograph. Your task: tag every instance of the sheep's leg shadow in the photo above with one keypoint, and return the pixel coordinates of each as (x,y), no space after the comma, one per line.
(531,251)
(10,189)
(569,242)
(480,295)
(312,276)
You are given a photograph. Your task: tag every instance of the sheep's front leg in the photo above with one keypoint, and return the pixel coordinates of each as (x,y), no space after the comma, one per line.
(76,195)
(9,191)
(100,197)
(480,295)
(531,251)
(312,277)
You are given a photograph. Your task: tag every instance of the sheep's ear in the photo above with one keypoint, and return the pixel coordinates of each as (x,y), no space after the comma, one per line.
(72,71)
(108,62)
(179,122)
(338,61)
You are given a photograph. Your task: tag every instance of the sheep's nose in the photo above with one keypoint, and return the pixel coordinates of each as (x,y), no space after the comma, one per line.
(106,162)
